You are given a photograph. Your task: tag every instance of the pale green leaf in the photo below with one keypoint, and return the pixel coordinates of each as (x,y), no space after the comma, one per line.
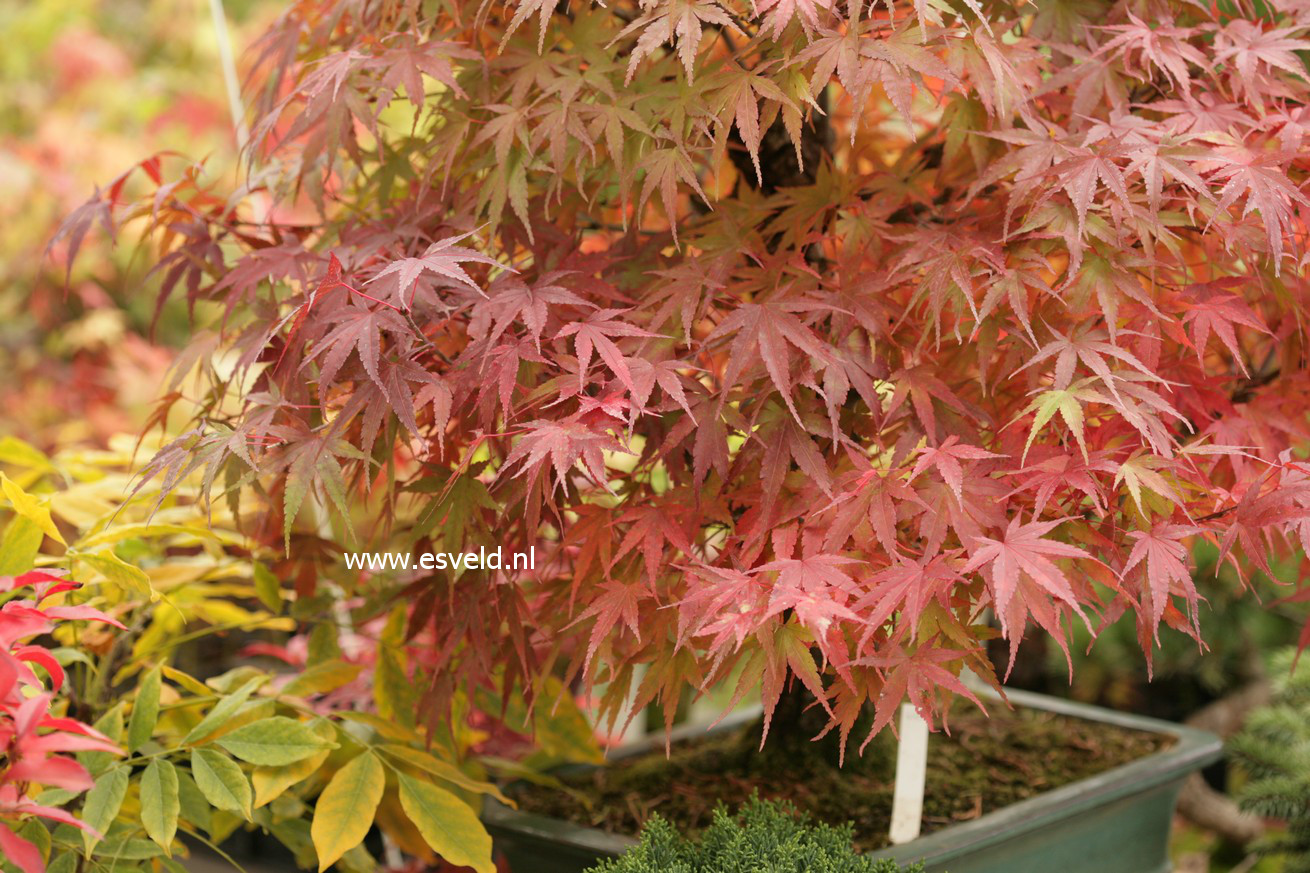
(160,803)
(322,678)
(111,725)
(127,849)
(273,742)
(268,588)
(1139,471)
(389,729)
(223,710)
(63,862)
(102,803)
(1068,402)
(271,782)
(196,809)
(117,571)
(297,486)
(221,781)
(145,711)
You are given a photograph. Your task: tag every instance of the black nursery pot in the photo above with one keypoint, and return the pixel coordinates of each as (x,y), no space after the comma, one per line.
(1114,822)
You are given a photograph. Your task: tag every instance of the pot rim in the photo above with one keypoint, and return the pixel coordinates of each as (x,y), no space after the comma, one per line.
(1191,750)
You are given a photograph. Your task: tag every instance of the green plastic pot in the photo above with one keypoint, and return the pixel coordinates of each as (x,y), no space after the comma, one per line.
(1115,822)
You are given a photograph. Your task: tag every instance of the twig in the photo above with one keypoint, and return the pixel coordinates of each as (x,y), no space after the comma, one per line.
(230,81)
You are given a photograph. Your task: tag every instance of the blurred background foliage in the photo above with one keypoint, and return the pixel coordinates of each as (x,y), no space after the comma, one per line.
(1241,628)
(88,88)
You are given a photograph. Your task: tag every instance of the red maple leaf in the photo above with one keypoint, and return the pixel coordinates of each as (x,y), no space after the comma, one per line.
(443,259)
(1216,310)
(651,528)
(765,333)
(594,335)
(946,459)
(1163,552)
(914,675)
(1025,552)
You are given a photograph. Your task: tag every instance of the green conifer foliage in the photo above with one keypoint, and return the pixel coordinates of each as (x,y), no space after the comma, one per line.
(763,837)
(1274,750)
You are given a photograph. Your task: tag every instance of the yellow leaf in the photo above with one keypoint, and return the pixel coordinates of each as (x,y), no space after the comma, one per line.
(393,822)
(81,508)
(20,454)
(344,811)
(121,532)
(443,770)
(31,508)
(322,678)
(19,547)
(271,782)
(447,824)
(393,692)
(177,573)
(187,681)
(119,572)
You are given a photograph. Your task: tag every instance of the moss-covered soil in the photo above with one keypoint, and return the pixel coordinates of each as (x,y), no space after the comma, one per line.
(983,765)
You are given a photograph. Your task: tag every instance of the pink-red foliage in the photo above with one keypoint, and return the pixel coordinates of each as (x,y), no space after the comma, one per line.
(1029,321)
(34,743)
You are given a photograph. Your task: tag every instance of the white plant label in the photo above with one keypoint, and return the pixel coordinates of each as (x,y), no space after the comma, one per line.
(911,765)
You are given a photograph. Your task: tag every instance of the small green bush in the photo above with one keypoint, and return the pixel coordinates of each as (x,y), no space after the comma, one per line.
(1274,749)
(763,837)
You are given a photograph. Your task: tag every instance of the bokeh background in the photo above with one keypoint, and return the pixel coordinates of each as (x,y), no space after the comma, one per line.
(87,89)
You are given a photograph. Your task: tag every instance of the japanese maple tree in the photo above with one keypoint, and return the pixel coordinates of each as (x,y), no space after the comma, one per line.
(806,342)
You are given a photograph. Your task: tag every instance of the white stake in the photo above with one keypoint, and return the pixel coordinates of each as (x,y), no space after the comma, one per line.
(911,764)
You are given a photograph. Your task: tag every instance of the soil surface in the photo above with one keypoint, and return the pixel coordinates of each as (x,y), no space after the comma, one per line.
(983,765)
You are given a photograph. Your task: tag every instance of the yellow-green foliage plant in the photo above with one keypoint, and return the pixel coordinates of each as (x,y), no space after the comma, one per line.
(162,761)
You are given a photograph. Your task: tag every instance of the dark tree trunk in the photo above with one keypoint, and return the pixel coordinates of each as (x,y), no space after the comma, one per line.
(798,718)
(778,165)
(791,746)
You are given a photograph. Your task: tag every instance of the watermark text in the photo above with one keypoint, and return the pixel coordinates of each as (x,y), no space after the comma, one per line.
(482,559)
